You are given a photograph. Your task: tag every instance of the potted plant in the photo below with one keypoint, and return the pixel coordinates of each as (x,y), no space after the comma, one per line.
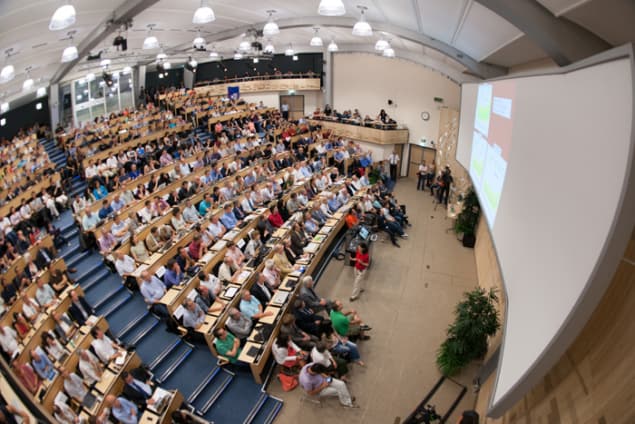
(476,319)
(467,220)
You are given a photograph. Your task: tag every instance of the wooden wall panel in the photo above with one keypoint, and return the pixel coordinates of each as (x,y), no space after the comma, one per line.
(594,381)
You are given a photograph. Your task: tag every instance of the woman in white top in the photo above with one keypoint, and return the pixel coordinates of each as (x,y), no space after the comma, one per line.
(177,220)
(254,245)
(321,355)
(287,353)
(53,347)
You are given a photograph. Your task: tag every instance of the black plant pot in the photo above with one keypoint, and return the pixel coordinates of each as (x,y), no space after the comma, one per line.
(469,240)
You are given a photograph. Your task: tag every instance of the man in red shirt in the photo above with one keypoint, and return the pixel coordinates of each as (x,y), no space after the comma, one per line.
(275,218)
(362,260)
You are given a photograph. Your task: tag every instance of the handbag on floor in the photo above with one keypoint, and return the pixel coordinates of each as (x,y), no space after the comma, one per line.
(289,382)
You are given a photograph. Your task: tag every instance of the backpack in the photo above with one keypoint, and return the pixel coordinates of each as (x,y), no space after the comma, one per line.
(289,382)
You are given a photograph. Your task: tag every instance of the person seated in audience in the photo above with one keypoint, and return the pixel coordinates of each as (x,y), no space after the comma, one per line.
(335,366)
(9,342)
(288,354)
(227,344)
(79,310)
(234,252)
(196,248)
(106,241)
(64,327)
(30,308)
(239,324)
(166,234)
(27,377)
(253,245)
(138,387)
(205,205)
(126,267)
(138,250)
(228,271)
(53,348)
(124,410)
(119,229)
(105,211)
(90,220)
(177,220)
(298,239)
(347,323)
(153,241)
(153,290)
(311,298)
(132,221)
(117,203)
(99,191)
(251,307)
(228,218)
(308,320)
(193,315)
(262,290)
(45,294)
(159,206)
(313,379)
(304,340)
(42,365)
(64,414)
(183,259)
(281,261)
(206,299)
(59,280)
(216,229)
(89,366)
(30,267)
(74,386)
(106,349)
(190,214)
(21,324)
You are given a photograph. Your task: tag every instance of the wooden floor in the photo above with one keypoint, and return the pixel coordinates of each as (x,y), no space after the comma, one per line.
(410,295)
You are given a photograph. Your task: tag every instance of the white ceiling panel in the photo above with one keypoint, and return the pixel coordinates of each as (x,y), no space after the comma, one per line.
(483,32)
(441,18)
(559,7)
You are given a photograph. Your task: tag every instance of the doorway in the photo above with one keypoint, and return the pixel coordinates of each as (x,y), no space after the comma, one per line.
(418,153)
(296,106)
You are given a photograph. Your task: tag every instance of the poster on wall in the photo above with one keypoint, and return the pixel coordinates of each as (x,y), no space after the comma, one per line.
(233,93)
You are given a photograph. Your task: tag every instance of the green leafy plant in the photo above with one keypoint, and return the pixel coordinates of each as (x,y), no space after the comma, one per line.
(476,319)
(468,218)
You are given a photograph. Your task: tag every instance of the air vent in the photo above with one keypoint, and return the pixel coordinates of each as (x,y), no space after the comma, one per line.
(37,46)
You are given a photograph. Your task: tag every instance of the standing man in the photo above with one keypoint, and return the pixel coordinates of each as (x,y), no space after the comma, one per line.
(393,160)
(362,260)
(285,111)
(422,174)
(446,178)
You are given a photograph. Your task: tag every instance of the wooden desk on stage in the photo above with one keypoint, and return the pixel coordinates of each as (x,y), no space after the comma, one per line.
(368,134)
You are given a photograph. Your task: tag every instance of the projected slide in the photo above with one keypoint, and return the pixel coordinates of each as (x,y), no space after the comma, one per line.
(491,142)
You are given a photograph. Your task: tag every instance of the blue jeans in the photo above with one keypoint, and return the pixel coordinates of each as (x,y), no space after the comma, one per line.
(348,350)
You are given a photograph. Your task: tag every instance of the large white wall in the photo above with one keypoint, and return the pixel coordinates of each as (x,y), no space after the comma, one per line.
(366,82)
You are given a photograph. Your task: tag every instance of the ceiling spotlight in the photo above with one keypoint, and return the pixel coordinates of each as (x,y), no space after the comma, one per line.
(199,42)
(333,47)
(38,106)
(238,55)
(4,107)
(41,92)
(203,14)
(331,8)
(63,17)
(28,83)
(192,62)
(289,51)
(271,27)
(269,48)
(244,45)
(3,122)
(126,70)
(362,28)
(69,54)
(150,41)
(316,41)
(161,55)
(256,60)
(388,52)
(167,65)
(160,76)
(105,63)
(381,44)
(295,57)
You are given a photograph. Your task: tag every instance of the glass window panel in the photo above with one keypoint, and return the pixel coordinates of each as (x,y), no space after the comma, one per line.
(125,91)
(83,115)
(81,92)
(96,88)
(112,101)
(98,110)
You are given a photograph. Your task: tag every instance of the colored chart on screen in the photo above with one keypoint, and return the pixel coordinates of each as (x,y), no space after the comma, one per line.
(491,143)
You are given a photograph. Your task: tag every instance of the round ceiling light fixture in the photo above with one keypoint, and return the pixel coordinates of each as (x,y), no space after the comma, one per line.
(331,8)
(362,28)
(271,27)
(63,17)
(316,41)
(204,14)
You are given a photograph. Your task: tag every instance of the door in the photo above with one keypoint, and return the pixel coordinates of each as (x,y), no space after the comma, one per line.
(417,154)
(296,106)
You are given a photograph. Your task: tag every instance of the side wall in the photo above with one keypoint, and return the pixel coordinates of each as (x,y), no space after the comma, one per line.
(593,381)
(366,82)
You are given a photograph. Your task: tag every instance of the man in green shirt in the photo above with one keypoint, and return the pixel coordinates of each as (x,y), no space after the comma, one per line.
(227,344)
(348,323)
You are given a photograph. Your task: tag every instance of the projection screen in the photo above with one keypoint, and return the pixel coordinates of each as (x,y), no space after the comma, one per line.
(550,157)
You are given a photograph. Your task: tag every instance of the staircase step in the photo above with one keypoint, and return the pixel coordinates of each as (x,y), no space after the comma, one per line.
(114,303)
(132,324)
(165,352)
(268,411)
(176,356)
(213,391)
(126,317)
(154,343)
(92,277)
(71,232)
(175,364)
(199,389)
(256,408)
(105,298)
(76,257)
(140,330)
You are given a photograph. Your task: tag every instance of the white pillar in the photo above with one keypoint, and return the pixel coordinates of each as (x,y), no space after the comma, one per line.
(328,77)
(54,106)
(140,81)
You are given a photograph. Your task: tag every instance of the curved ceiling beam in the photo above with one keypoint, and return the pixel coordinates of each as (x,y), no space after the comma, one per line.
(564,41)
(482,70)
